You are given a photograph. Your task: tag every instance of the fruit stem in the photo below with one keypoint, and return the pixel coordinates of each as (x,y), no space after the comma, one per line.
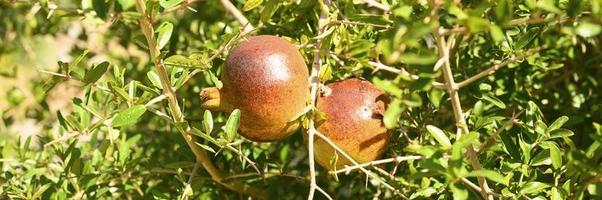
(212,100)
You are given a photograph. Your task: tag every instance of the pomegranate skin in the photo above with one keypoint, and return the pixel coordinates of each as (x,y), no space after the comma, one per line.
(267,79)
(354,110)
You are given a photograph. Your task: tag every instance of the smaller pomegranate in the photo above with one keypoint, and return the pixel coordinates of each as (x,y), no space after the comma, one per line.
(354,110)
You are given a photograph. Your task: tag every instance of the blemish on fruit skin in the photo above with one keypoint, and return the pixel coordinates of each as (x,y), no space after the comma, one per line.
(279,71)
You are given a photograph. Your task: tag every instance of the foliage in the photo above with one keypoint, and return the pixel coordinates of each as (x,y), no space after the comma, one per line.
(83,115)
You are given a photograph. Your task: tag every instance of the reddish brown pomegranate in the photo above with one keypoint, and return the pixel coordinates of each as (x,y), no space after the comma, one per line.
(354,110)
(267,79)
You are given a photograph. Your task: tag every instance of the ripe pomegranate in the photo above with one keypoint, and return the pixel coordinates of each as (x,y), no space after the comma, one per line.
(354,110)
(267,79)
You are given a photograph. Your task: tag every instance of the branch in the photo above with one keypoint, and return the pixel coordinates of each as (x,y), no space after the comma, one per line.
(444,51)
(397,159)
(242,156)
(494,68)
(187,187)
(459,116)
(314,82)
(201,156)
(511,23)
(402,71)
(476,187)
(247,26)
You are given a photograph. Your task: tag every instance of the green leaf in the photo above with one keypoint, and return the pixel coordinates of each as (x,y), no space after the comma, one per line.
(96,72)
(250,4)
(40,191)
(118,91)
(208,148)
(503,11)
(269,9)
(510,145)
(549,5)
(556,156)
(425,58)
(77,60)
(422,84)
(575,7)
(232,124)
(218,84)
(459,191)
(461,144)
(100,7)
(392,113)
(495,101)
(325,73)
(154,78)
(207,122)
(183,61)
(164,31)
(557,124)
(587,29)
(558,133)
(496,33)
(125,4)
(555,194)
(477,24)
(435,97)
(129,116)
(489,174)
(526,38)
(533,187)
(167,4)
(439,135)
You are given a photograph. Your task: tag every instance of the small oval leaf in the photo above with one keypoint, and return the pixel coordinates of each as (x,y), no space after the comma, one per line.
(164,31)
(96,72)
(232,124)
(129,116)
(439,135)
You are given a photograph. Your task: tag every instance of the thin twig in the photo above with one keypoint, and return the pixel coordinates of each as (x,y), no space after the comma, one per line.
(187,187)
(155,100)
(63,138)
(402,71)
(241,155)
(314,82)
(444,51)
(67,76)
(267,175)
(247,26)
(511,23)
(494,68)
(457,108)
(476,187)
(397,159)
